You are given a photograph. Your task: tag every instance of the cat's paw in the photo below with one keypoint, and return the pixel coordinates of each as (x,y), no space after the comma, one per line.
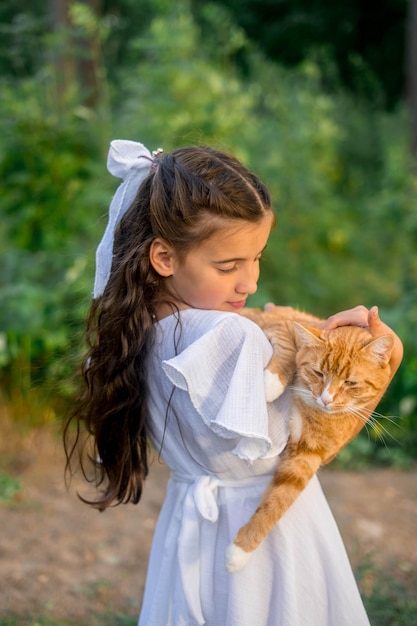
(273,386)
(236,558)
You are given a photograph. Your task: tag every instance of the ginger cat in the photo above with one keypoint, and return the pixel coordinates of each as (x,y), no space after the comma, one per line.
(333,376)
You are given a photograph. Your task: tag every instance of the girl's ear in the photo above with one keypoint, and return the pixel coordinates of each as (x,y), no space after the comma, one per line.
(162,257)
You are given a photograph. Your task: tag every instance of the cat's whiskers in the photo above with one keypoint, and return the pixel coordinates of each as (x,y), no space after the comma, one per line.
(299,388)
(329,405)
(373,422)
(305,394)
(369,422)
(390,418)
(301,391)
(310,398)
(382,432)
(375,416)
(358,412)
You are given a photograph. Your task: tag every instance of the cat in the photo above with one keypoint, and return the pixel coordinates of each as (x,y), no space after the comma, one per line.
(333,376)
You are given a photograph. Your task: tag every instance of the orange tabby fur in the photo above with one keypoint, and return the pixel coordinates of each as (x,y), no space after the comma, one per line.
(333,375)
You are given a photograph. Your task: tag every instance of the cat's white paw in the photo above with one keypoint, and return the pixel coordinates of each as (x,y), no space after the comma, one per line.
(273,386)
(236,558)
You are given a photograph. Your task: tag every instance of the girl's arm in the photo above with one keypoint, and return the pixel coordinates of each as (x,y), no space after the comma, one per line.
(361,316)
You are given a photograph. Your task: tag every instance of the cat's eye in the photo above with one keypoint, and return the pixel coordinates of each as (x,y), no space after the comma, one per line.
(318,373)
(350,383)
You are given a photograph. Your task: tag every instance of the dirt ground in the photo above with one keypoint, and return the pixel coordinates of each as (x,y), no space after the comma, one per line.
(60,558)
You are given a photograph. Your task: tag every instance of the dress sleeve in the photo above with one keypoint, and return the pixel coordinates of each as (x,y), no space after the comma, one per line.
(223,373)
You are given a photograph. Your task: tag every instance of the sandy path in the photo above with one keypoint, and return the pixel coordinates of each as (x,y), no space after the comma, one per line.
(60,558)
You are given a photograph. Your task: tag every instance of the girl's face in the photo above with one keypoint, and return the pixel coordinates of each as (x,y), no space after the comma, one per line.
(221,272)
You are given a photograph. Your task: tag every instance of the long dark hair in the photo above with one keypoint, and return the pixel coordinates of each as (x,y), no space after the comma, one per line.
(178,202)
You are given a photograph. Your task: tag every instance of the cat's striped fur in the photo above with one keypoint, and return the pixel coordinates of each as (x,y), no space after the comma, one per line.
(333,375)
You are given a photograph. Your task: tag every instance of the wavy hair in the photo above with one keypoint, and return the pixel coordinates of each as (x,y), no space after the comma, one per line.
(182,202)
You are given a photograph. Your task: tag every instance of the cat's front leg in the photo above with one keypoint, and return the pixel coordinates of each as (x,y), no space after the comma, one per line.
(236,558)
(293,473)
(252,533)
(274,381)
(281,367)
(247,540)
(273,384)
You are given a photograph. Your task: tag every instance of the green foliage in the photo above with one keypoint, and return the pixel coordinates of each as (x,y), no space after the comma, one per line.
(365,52)
(175,93)
(51,198)
(20,30)
(338,170)
(9,487)
(88,620)
(389,599)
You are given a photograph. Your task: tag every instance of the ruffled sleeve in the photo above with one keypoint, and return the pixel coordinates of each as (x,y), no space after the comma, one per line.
(222,372)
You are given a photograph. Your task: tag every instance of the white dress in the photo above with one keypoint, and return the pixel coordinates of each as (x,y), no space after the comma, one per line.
(221,441)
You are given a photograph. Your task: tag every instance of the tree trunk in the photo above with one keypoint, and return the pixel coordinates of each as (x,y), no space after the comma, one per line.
(62,58)
(78,57)
(88,62)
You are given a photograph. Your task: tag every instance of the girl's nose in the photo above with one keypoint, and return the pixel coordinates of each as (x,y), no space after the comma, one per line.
(248,283)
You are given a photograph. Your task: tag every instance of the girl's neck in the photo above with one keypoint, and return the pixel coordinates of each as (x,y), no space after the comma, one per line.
(165,309)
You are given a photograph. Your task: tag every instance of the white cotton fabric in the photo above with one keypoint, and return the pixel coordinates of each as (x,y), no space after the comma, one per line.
(222,440)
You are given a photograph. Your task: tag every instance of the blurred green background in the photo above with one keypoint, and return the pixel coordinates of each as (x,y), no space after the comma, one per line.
(318,98)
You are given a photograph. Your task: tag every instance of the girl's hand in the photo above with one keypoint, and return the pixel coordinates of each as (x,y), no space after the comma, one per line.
(270,306)
(360,316)
(369,319)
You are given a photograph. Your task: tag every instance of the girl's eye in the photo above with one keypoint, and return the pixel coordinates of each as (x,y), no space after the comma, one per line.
(226,270)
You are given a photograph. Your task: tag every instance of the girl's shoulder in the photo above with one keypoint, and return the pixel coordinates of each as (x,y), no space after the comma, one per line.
(218,336)
(218,360)
(191,324)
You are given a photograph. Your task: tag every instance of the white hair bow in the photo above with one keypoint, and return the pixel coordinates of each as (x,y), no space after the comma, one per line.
(132,162)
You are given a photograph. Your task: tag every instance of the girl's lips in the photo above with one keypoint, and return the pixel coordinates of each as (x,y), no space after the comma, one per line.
(238,305)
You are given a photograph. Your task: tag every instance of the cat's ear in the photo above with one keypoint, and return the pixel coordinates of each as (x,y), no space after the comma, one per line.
(381,348)
(305,335)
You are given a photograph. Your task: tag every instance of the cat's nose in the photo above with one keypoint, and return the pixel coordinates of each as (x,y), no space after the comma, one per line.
(326,397)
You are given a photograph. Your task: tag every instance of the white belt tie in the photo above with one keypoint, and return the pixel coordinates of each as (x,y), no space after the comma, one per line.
(200,503)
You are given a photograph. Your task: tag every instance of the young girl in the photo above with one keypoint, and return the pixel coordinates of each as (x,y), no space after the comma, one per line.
(172,362)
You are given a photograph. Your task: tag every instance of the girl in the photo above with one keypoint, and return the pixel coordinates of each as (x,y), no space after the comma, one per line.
(171,361)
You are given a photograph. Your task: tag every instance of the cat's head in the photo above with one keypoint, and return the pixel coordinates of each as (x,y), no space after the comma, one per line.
(340,369)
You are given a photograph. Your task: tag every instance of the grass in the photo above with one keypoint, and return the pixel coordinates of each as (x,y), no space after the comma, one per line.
(390,597)
(387,601)
(92,620)
(9,487)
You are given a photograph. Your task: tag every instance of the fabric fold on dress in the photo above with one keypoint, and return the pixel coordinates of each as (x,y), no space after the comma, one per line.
(223,376)
(200,506)
(212,492)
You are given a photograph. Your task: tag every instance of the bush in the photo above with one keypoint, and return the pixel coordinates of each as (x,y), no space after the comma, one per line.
(339,173)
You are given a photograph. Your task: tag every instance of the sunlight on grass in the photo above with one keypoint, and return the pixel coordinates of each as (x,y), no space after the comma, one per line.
(92,620)
(388,601)
(9,487)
